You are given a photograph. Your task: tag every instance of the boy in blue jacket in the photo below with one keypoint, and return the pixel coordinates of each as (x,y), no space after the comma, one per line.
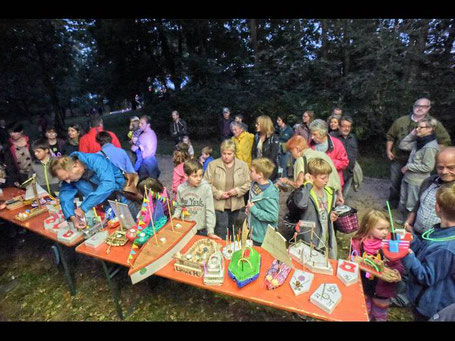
(91,175)
(431,261)
(264,203)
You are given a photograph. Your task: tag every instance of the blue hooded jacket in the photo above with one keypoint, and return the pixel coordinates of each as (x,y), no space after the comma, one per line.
(431,284)
(108,178)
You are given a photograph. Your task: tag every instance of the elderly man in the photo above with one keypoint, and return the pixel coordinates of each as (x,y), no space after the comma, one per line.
(147,142)
(350,144)
(400,128)
(333,147)
(423,216)
(243,141)
(225,125)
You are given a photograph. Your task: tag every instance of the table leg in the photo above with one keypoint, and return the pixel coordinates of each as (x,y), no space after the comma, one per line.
(66,268)
(114,292)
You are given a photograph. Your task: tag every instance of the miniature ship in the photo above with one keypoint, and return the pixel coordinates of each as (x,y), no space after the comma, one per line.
(375,266)
(214,270)
(195,260)
(153,255)
(310,257)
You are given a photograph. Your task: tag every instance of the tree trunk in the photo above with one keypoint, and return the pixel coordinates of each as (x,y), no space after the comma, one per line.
(253,38)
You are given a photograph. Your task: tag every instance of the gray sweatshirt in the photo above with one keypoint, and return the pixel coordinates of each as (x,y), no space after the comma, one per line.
(199,204)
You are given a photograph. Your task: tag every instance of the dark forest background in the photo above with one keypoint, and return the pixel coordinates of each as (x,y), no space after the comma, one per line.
(373,68)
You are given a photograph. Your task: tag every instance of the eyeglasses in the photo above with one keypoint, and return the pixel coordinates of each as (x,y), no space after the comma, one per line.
(421,106)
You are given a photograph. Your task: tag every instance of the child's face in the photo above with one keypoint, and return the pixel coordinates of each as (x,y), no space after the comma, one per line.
(41,153)
(320,180)
(195,179)
(380,230)
(205,156)
(72,133)
(186,140)
(51,134)
(255,176)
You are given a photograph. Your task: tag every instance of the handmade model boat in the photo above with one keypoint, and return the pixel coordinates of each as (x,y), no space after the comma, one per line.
(195,260)
(158,252)
(398,248)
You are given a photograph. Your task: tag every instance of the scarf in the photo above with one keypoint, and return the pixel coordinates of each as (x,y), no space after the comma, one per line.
(423,140)
(372,245)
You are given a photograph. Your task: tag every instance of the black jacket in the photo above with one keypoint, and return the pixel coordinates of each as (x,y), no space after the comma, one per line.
(352,149)
(178,130)
(270,149)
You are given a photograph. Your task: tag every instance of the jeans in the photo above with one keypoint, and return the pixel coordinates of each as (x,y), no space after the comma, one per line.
(284,158)
(395,181)
(149,168)
(224,221)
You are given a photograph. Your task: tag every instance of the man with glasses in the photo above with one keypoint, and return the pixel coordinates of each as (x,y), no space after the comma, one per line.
(400,128)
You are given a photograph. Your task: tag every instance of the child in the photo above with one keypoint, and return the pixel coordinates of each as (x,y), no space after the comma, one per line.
(133,135)
(195,194)
(315,201)
(55,144)
(431,260)
(186,140)
(156,186)
(206,157)
(41,167)
(378,293)
(263,204)
(179,157)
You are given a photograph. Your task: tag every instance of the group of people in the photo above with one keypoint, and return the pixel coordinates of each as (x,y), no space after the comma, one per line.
(315,159)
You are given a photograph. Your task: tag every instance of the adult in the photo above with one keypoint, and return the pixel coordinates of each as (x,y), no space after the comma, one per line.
(330,145)
(400,128)
(423,146)
(18,156)
(423,216)
(349,141)
(285,132)
(303,129)
(147,142)
(266,143)
(243,141)
(72,144)
(337,112)
(118,156)
(88,144)
(224,125)
(178,127)
(334,124)
(299,149)
(93,176)
(230,180)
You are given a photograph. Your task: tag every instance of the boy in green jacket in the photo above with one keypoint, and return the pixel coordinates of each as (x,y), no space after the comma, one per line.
(263,205)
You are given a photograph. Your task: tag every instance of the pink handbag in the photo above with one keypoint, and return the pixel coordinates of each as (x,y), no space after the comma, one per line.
(347,222)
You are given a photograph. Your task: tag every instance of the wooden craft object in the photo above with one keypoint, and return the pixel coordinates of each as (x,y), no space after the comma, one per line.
(301,282)
(152,257)
(384,273)
(214,270)
(347,272)
(193,262)
(23,216)
(310,258)
(403,246)
(326,297)
(97,239)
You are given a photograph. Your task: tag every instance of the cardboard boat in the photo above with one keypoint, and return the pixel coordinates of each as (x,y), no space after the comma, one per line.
(404,242)
(152,256)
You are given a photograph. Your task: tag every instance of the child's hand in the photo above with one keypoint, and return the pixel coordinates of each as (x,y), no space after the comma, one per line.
(398,276)
(333,216)
(404,169)
(213,236)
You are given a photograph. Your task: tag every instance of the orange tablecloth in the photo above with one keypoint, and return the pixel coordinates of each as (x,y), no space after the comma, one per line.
(351,308)
(35,224)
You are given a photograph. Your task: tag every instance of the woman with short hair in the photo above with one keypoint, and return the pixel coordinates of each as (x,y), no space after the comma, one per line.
(229,178)
(243,141)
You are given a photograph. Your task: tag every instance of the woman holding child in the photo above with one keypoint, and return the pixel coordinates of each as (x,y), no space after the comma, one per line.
(230,180)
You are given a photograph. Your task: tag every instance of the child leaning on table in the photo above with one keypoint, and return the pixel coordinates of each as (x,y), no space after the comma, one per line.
(315,201)
(158,188)
(263,204)
(431,260)
(195,195)
(373,229)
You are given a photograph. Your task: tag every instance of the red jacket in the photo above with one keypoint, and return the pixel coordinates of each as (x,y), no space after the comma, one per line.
(88,144)
(337,153)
